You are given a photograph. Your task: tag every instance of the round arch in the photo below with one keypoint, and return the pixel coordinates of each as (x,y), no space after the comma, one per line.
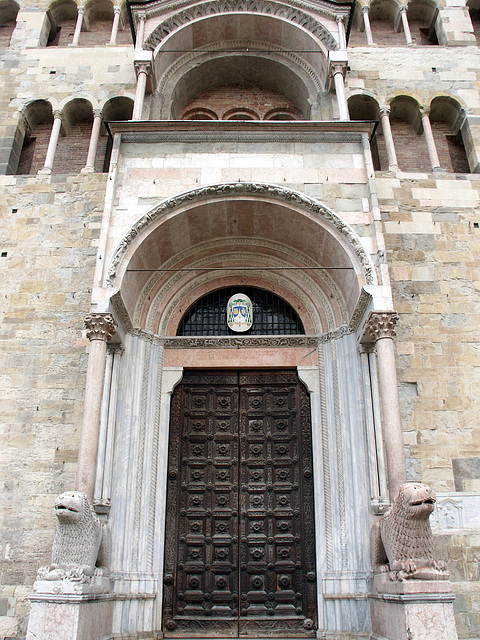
(215,236)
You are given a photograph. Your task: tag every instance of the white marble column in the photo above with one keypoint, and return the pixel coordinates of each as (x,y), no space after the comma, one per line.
(116,22)
(52,143)
(142,69)
(337,72)
(342,40)
(78,26)
(92,148)
(381,328)
(140,31)
(430,140)
(405,25)
(387,135)
(100,329)
(366,24)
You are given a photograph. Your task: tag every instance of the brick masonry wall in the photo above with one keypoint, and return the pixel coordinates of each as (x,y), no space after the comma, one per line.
(259,100)
(32,157)
(384,34)
(410,147)
(98,34)
(6,30)
(49,230)
(71,154)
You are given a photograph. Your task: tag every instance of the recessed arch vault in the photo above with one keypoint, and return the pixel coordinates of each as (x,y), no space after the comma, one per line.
(257,234)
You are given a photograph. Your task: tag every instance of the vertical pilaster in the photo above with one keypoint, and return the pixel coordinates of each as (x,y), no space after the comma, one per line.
(381,328)
(100,329)
(52,143)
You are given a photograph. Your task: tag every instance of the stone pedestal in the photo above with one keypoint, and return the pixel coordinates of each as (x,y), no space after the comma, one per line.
(412,610)
(68,610)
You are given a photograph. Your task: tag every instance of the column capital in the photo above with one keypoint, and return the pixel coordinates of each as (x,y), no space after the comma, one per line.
(424,111)
(81,10)
(98,113)
(402,9)
(100,326)
(366,348)
(365,9)
(381,324)
(142,16)
(58,114)
(384,111)
(117,10)
(142,66)
(340,18)
(337,67)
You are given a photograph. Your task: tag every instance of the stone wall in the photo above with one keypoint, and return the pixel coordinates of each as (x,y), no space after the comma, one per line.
(432,238)
(49,230)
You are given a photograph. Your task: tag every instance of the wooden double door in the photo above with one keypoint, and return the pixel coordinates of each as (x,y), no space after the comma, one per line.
(240,539)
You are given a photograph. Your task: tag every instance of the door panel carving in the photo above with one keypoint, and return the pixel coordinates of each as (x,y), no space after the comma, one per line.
(240,544)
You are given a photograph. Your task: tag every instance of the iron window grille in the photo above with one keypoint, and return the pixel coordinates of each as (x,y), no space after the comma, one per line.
(271,315)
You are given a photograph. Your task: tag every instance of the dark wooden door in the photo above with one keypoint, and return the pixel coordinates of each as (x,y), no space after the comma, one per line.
(240,540)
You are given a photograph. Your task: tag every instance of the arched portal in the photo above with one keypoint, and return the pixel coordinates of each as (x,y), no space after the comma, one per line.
(216,238)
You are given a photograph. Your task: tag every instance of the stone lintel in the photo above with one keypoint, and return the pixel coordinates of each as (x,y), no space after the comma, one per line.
(184,128)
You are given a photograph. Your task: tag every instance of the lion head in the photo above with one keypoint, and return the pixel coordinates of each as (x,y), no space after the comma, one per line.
(71,507)
(416,500)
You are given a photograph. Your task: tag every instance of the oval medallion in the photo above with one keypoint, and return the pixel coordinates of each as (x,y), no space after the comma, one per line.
(239,313)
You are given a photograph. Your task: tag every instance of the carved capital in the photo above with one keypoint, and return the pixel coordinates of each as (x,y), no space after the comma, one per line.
(143,67)
(98,113)
(100,326)
(141,17)
(81,11)
(338,67)
(339,19)
(365,10)
(58,114)
(117,10)
(385,112)
(424,111)
(381,325)
(402,9)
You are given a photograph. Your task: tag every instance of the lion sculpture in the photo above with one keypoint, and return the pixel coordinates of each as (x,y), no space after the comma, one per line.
(402,539)
(80,546)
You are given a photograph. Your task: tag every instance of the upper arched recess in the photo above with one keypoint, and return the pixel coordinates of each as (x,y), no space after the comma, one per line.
(302,34)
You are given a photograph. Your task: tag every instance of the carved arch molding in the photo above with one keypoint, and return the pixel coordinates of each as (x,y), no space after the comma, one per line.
(235,190)
(296,15)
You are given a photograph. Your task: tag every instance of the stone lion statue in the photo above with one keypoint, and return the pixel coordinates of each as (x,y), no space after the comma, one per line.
(80,546)
(402,540)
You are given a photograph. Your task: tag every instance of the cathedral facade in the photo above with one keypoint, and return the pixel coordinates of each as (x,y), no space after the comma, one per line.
(240,265)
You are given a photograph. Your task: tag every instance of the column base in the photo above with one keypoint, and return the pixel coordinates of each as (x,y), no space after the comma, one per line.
(44,172)
(67,610)
(420,609)
(87,170)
